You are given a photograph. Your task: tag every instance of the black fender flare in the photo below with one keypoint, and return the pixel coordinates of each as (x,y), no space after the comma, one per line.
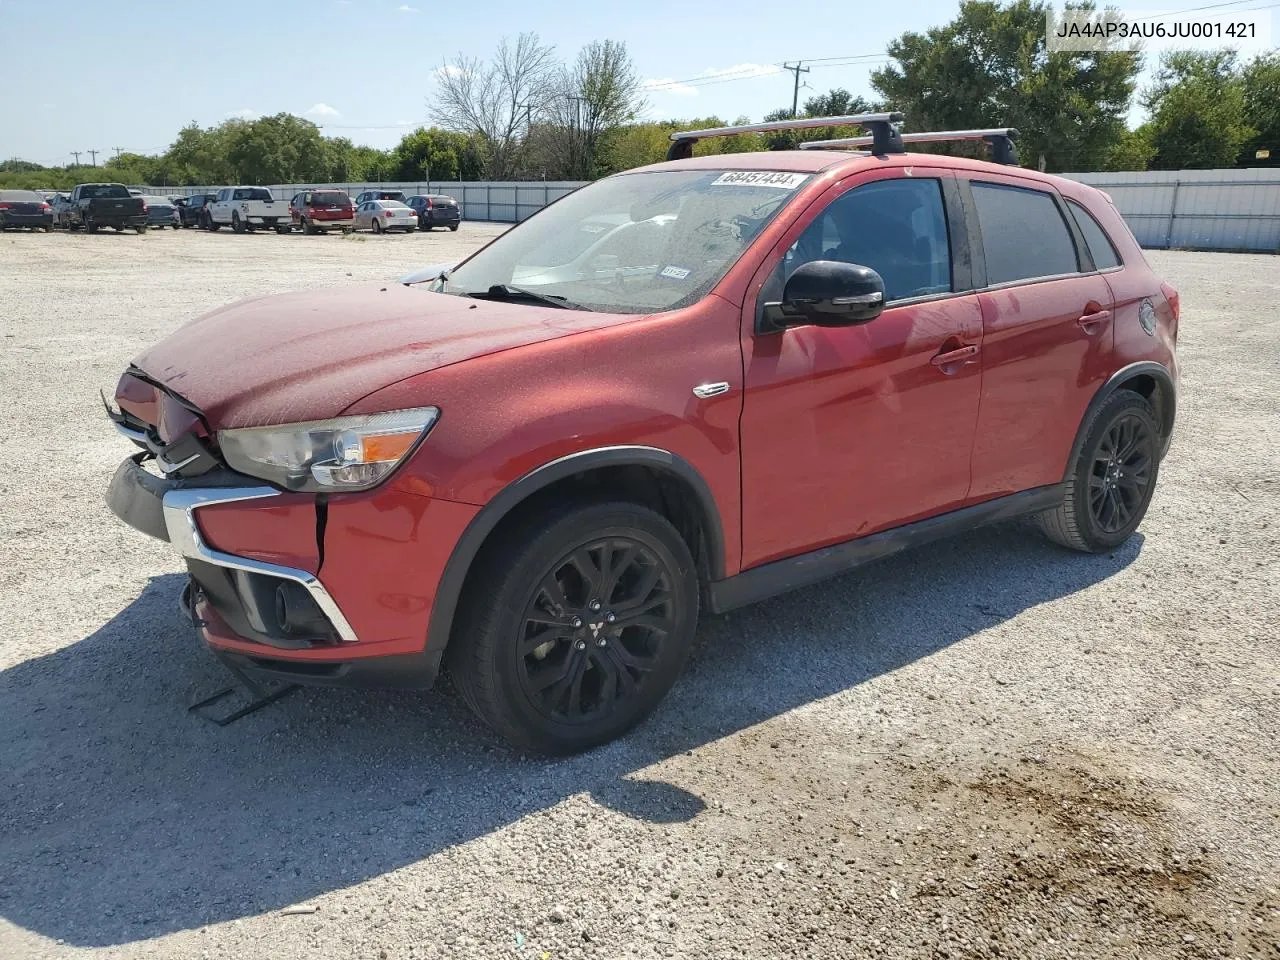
(449,590)
(1143,368)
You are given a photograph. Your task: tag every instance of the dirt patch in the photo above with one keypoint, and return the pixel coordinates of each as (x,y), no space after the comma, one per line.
(1092,859)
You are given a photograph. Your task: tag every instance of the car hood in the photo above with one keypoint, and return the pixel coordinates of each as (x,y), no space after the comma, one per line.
(309,356)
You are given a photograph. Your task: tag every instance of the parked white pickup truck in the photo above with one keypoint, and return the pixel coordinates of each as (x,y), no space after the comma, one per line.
(246,208)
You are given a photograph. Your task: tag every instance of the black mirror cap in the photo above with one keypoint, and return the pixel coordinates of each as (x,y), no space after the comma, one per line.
(831,293)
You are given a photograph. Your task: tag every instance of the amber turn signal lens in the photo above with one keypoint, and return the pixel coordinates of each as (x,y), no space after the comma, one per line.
(387,446)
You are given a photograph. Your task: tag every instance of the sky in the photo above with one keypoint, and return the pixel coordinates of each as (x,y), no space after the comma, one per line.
(363,69)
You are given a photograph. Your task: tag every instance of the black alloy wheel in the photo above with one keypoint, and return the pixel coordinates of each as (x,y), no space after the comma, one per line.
(594,628)
(576,622)
(1121,473)
(1113,477)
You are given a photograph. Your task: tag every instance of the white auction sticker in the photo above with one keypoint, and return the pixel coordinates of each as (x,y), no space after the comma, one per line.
(760,178)
(674,273)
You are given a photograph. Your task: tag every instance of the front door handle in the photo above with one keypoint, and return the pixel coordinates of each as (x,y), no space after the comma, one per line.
(1090,321)
(958,355)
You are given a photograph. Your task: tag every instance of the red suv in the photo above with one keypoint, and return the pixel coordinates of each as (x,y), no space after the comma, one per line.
(319,211)
(538,468)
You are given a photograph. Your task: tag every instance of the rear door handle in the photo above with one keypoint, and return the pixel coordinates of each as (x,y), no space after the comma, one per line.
(958,355)
(1091,320)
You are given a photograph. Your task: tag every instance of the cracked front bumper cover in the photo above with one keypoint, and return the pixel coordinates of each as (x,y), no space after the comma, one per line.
(166,509)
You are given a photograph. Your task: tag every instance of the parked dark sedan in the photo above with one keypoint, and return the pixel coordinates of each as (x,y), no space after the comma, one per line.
(25,208)
(161,213)
(436,210)
(191,209)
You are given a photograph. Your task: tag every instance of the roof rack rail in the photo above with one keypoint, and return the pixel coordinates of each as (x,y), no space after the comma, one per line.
(1000,139)
(884,132)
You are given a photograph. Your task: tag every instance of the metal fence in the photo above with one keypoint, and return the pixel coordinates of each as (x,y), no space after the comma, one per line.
(1234,210)
(501,202)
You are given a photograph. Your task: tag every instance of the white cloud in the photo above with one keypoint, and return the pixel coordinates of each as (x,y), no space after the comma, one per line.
(245,114)
(448,70)
(669,85)
(689,88)
(322,111)
(742,70)
(405,8)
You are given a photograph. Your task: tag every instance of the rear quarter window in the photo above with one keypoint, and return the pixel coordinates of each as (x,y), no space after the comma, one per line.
(1023,234)
(1101,249)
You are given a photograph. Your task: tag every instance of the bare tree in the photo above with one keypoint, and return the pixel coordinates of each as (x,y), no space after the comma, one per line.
(498,101)
(598,93)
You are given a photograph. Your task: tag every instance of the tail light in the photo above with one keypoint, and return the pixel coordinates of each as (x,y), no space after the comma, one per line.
(145,208)
(1175,301)
(5,206)
(428,203)
(386,213)
(44,206)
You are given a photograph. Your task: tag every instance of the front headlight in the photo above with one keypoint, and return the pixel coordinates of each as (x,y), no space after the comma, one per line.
(328,456)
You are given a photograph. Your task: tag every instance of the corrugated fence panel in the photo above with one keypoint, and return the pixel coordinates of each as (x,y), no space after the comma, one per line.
(1199,209)
(506,202)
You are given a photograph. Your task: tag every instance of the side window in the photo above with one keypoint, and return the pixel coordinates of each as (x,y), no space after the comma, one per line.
(1023,234)
(896,227)
(1101,249)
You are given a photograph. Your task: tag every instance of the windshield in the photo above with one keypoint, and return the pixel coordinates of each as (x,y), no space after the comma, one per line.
(329,198)
(252,193)
(634,243)
(108,190)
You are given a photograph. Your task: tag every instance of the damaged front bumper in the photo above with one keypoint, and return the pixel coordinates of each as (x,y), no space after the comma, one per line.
(166,509)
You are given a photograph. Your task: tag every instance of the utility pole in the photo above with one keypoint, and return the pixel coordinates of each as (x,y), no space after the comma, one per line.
(795,95)
(118,152)
(94,155)
(577,146)
(76,154)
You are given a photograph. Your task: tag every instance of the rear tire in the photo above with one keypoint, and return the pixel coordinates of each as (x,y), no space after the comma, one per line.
(1112,479)
(376,225)
(612,588)
(143,228)
(237,225)
(453,227)
(283,229)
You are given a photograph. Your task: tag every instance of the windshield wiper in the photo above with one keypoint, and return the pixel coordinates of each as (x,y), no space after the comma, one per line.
(505,291)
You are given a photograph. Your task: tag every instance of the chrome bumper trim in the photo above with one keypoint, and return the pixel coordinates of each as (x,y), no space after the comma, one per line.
(179,519)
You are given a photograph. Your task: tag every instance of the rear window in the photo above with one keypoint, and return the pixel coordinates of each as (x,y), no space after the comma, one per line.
(441,198)
(20,196)
(109,191)
(390,195)
(394,205)
(1101,249)
(252,193)
(329,198)
(1023,234)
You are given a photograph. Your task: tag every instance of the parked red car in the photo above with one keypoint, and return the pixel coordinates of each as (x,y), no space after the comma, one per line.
(538,468)
(319,211)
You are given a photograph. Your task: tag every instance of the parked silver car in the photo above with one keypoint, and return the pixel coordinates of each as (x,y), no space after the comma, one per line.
(383,215)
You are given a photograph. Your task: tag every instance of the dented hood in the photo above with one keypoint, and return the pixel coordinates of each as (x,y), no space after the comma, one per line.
(309,356)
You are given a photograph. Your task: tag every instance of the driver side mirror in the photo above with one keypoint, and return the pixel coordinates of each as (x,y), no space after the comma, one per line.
(827,293)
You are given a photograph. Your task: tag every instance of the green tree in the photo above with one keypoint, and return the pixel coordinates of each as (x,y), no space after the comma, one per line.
(1261,79)
(1197,111)
(1132,151)
(989,67)
(278,149)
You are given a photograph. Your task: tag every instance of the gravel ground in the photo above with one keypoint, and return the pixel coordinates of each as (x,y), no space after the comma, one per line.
(990,748)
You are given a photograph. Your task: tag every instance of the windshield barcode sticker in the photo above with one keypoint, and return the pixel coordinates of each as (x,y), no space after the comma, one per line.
(674,273)
(760,178)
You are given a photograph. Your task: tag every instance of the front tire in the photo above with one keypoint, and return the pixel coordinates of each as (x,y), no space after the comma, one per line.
(576,625)
(1112,480)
